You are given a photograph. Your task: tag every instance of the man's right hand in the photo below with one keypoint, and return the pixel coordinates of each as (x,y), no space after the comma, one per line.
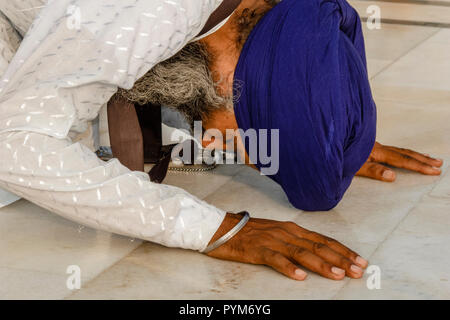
(284,245)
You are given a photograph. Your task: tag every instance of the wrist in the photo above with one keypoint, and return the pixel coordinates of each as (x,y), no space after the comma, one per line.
(228,223)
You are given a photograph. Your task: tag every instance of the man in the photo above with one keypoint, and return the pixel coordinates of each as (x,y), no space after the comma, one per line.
(335,95)
(72,60)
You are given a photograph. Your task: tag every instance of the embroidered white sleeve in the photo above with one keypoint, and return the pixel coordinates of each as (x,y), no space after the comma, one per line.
(71,61)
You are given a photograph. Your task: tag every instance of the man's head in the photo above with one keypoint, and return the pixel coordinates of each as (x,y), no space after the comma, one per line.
(302,74)
(186,82)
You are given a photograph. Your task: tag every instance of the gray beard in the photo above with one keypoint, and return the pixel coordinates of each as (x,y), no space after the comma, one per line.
(183,82)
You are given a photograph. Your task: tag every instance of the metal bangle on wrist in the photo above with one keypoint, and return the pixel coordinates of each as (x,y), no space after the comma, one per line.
(230,234)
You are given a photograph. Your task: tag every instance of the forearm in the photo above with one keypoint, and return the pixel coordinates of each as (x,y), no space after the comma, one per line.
(63,72)
(71,181)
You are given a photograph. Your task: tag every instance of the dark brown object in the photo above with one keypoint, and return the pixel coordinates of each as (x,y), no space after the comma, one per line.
(149,117)
(125,134)
(221,13)
(136,138)
(135,130)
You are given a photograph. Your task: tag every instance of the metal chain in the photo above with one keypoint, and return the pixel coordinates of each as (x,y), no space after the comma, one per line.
(105,154)
(193,170)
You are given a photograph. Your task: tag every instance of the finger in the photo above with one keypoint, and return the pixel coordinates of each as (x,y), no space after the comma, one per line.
(329,255)
(329,242)
(376,171)
(283,265)
(312,262)
(418,156)
(405,161)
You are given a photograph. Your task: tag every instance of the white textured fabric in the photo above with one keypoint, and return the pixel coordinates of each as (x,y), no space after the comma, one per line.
(9,42)
(21,12)
(213,30)
(71,61)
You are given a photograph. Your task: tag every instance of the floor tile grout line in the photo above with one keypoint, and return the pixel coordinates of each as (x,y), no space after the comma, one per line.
(377,247)
(103,271)
(412,23)
(404,103)
(94,276)
(426,193)
(404,54)
(230,177)
(441,178)
(31,270)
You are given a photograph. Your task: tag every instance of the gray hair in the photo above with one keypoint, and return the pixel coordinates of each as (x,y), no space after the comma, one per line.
(185,82)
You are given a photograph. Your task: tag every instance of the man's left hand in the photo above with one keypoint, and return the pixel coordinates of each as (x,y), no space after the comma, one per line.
(397,157)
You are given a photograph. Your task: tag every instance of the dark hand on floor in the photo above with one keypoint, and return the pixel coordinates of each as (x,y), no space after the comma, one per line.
(284,245)
(400,158)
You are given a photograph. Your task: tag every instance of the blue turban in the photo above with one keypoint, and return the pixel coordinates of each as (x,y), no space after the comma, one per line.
(303,71)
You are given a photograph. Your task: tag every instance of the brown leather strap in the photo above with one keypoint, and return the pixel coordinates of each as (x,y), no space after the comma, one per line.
(125,134)
(128,125)
(221,13)
(135,136)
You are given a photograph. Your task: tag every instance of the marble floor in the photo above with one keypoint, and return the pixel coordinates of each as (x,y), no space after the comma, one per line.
(403,228)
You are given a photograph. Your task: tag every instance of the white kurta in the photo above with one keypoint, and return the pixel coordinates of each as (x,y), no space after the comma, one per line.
(71,61)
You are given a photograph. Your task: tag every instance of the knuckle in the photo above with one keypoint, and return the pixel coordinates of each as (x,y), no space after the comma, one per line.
(377,154)
(406,157)
(297,251)
(317,247)
(375,170)
(325,267)
(344,262)
(269,257)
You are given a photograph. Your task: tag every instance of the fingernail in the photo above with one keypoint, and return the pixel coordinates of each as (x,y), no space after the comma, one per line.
(299,273)
(356,269)
(388,174)
(337,271)
(361,261)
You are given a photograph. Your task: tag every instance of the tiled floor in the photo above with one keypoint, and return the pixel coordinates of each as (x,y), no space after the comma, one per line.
(403,227)
(407,11)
